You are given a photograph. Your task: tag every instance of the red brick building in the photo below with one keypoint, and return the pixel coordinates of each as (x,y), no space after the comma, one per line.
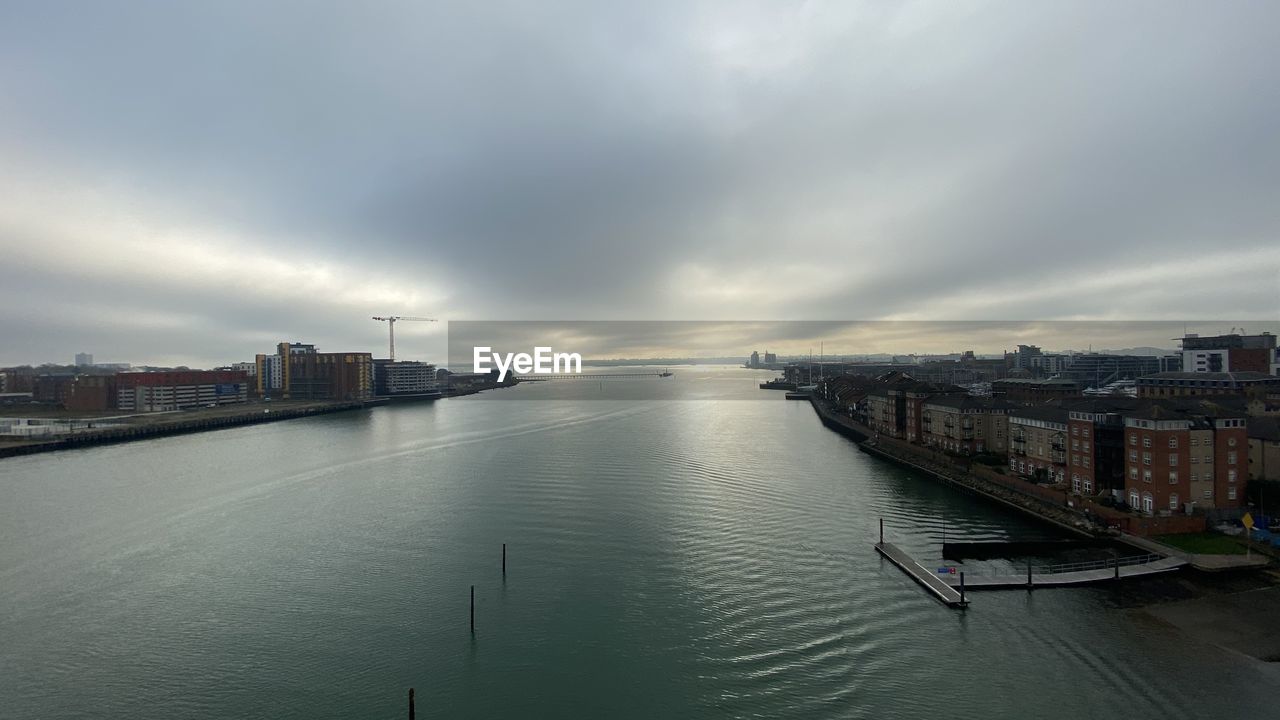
(1182,456)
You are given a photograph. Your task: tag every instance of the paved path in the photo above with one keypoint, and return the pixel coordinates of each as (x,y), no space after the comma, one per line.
(1064,579)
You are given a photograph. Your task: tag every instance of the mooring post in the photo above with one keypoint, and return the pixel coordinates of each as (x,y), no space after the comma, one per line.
(881,531)
(1116,556)
(473,609)
(410,703)
(961,587)
(504,558)
(1029,585)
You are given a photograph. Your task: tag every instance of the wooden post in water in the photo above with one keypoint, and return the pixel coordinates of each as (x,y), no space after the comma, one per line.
(961,587)
(473,609)
(1116,556)
(410,703)
(504,559)
(1029,584)
(881,531)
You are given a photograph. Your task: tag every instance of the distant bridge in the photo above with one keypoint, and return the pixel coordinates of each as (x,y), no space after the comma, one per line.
(590,376)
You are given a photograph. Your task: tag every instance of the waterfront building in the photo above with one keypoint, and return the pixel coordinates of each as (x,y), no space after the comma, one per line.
(84,359)
(754,360)
(965,425)
(1187,455)
(1096,460)
(1038,442)
(310,375)
(404,379)
(1031,391)
(90,393)
(179,389)
(268,374)
(1189,384)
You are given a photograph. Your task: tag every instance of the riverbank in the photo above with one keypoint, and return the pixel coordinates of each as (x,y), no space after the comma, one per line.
(126,428)
(1009,493)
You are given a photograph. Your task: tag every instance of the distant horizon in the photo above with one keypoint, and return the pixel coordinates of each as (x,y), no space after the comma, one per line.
(737,333)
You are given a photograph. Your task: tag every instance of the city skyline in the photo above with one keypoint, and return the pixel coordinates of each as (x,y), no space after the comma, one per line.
(170,202)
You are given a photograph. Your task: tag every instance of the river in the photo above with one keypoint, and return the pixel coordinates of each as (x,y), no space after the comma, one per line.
(688,547)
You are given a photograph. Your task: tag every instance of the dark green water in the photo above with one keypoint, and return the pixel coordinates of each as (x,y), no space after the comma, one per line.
(691,548)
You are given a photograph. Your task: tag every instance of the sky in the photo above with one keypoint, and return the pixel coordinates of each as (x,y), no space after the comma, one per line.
(192,183)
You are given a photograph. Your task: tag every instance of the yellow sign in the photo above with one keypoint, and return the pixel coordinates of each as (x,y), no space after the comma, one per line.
(1247,521)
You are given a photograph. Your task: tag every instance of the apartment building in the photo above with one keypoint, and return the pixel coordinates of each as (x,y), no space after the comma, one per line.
(1179,456)
(1038,443)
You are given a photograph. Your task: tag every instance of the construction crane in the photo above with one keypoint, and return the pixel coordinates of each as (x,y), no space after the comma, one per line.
(390,320)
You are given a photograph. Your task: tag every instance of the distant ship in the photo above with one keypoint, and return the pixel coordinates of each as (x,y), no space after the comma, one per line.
(665,373)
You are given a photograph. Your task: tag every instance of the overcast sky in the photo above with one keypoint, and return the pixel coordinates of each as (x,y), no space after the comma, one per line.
(193,182)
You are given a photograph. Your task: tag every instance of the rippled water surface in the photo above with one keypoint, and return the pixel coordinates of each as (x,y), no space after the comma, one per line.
(689,547)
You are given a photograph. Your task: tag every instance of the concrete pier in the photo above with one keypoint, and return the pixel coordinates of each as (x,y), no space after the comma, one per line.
(926,577)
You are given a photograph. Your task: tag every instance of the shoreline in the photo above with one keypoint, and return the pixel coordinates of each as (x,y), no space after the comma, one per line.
(1005,495)
(182,423)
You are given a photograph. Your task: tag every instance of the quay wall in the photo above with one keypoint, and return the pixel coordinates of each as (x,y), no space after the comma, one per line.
(1075,513)
(181,426)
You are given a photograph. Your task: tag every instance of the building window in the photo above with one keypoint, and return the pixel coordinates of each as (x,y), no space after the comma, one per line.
(1146,458)
(1148,503)
(1133,438)
(1195,459)
(1208,494)
(1075,431)
(1173,460)
(1173,477)
(1173,442)
(1133,456)
(1075,482)
(1086,461)
(1146,476)
(1088,486)
(1173,501)
(1231,458)
(1133,499)
(1195,441)
(1231,476)
(1231,442)
(1146,442)
(1231,493)
(1133,473)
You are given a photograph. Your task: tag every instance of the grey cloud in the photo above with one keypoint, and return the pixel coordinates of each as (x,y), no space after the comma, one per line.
(585,161)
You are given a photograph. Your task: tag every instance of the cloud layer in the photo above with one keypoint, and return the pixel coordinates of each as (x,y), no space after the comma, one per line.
(192,184)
